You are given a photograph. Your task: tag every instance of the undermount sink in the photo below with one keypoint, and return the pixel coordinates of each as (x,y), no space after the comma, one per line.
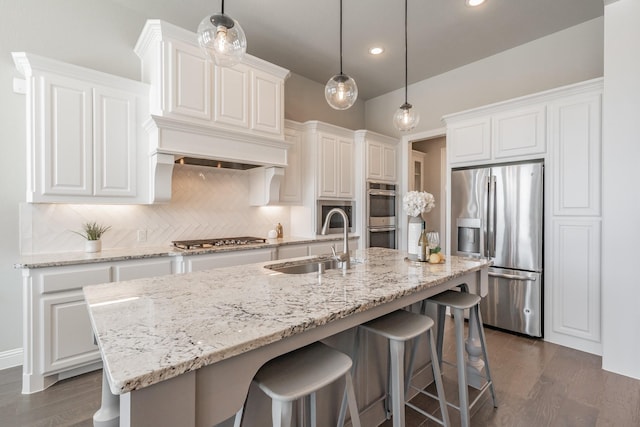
(303,267)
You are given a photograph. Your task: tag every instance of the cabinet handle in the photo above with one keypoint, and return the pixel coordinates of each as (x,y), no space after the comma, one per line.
(513,277)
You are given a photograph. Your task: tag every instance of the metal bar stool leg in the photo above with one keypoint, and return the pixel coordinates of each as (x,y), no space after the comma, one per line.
(437,377)
(463,392)
(483,344)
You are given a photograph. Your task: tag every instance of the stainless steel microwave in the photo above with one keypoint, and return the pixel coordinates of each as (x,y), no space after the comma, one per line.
(336,225)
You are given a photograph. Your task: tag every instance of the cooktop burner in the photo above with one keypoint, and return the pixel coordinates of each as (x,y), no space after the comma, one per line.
(209,243)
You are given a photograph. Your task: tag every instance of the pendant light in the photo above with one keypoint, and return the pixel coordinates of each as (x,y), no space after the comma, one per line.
(222,38)
(341,90)
(406,117)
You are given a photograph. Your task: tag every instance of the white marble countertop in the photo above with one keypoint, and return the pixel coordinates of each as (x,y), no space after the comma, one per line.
(150,330)
(122,254)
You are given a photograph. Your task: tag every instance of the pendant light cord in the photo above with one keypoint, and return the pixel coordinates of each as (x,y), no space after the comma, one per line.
(340,37)
(222,11)
(406,61)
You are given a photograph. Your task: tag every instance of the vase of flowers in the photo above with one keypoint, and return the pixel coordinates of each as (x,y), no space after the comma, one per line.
(92,232)
(416,203)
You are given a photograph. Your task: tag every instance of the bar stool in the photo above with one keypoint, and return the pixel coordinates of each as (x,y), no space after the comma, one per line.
(399,327)
(458,302)
(299,374)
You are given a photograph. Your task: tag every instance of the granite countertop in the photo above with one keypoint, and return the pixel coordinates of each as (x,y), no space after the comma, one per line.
(150,330)
(123,254)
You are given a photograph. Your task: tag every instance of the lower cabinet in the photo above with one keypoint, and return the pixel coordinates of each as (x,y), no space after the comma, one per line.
(312,249)
(58,339)
(228,259)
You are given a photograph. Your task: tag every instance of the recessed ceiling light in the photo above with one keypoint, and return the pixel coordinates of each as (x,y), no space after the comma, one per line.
(474,2)
(376,50)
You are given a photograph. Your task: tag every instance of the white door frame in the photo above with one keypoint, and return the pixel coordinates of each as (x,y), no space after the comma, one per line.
(406,142)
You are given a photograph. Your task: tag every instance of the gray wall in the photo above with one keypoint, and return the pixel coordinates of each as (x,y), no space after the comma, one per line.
(568,56)
(101,34)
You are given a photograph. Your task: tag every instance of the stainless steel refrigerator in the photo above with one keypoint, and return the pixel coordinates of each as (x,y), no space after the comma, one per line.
(497,212)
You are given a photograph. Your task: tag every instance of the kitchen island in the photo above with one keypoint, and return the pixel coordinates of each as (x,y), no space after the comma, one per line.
(182,349)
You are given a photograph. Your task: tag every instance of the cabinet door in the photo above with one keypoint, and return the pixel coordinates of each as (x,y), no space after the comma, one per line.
(187,85)
(328,165)
(576,155)
(66,166)
(469,141)
(266,103)
(345,171)
(374,160)
(575,279)
(232,95)
(519,132)
(114,129)
(67,334)
(291,188)
(228,259)
(389,162)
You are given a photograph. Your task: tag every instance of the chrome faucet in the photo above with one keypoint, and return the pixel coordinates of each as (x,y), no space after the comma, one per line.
(344,256)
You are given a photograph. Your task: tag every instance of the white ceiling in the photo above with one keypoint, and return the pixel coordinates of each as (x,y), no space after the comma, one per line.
(303,35)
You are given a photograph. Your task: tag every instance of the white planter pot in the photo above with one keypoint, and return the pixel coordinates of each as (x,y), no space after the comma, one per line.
(93,245)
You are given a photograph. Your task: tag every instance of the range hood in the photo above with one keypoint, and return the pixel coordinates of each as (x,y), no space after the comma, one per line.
(174,141)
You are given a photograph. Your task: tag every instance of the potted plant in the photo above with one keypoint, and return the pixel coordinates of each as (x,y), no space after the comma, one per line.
(415,204)
(92,231)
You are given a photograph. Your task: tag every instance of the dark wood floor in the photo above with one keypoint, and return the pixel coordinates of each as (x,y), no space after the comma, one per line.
(537,383)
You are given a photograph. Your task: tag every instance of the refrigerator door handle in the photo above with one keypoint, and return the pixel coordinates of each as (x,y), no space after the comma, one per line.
(491,217)
(513,277)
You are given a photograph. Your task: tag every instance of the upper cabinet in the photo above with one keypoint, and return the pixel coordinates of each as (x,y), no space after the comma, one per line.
(85,143)
(335,165)
(247,98)
(380,156)
(496,136)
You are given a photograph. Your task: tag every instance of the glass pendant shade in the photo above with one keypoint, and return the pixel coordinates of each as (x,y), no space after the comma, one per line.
(341,92)
(406,118)
(222,39)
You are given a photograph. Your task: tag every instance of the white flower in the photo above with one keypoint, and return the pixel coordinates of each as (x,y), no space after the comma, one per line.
(418,202)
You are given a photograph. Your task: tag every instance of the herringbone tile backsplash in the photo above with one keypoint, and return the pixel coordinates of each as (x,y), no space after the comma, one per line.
(206,202)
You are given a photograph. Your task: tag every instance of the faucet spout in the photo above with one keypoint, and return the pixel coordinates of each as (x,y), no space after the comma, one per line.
(344,256)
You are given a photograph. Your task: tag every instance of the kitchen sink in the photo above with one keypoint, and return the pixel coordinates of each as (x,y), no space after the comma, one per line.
(316,265)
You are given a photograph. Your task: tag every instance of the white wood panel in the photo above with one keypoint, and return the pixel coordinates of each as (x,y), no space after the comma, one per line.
(327,156)
(114,126)
(142,268)
(291,187)
(188,86)
(575,278)
(469,141)
(68,341)
(232,95)
(345,169)
(389,162)
(67,278)
(374,160)
(292,251)
(519,132)
(576,161)
(266,103)
(67,137)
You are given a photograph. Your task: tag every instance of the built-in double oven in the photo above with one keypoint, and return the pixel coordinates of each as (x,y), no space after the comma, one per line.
(381,215)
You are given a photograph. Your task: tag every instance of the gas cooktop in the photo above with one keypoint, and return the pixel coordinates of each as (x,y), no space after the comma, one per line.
(210,243)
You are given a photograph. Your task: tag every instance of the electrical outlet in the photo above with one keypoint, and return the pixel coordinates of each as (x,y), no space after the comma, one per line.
(142,236)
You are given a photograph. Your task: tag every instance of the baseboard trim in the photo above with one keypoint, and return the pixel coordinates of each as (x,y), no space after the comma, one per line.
(10,358)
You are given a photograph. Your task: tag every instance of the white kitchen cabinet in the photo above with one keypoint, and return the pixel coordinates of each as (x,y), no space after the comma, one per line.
(57,330)
(336,164)
(574,300)
(291,186)
(84,139)
(380,156)
(575,138)
(519,132)
(324,248)
(292,251)
(469,141)
(186,86)
(496,135)
(226,259)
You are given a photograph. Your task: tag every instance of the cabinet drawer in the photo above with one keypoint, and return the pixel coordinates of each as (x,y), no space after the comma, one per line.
(286,252)
(204,262)
(74,278)
(142,269)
